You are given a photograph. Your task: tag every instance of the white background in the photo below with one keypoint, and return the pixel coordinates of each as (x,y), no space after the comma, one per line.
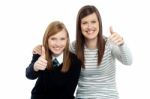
(22,25)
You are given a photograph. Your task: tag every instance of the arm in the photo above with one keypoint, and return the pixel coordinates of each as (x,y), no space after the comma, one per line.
(122,53)
(30,72)
(38,63)
(37,49)
(119,48)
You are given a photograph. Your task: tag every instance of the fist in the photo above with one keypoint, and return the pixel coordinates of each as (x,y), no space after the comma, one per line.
(115,37)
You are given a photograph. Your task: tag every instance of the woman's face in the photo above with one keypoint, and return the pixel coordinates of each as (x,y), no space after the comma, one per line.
(57,42)
(90,26)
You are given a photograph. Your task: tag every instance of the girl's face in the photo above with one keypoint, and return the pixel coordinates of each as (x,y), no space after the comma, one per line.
(90,27)
(57,42)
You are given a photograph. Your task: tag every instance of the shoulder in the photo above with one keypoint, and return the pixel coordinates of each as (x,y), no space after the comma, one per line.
(107,43)
(72,47)
(105,38)
(73,43)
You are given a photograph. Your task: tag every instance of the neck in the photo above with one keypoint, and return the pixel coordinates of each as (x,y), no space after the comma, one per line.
(91,44)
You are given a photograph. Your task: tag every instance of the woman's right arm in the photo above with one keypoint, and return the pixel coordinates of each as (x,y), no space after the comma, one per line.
(37,50)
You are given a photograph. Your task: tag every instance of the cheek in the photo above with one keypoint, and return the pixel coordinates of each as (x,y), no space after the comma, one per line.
(83,28)
(64,43)
(50,44)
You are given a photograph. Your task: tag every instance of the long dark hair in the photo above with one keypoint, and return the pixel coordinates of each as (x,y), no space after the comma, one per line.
(80,39)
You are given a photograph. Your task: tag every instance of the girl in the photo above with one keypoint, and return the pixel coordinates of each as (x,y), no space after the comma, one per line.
(58,80)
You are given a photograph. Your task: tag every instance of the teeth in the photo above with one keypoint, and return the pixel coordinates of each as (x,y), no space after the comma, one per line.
(57,48)
(90,32)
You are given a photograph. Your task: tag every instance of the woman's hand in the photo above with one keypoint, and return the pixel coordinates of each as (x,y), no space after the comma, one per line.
(115,38)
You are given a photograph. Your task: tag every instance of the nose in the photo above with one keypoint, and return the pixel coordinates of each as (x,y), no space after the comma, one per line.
(58,42)
(89,27)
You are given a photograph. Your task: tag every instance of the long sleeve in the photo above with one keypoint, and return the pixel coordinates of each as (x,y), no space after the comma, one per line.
(30,73)
(122,53)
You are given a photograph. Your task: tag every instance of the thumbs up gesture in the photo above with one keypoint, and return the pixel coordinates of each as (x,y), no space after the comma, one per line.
(41,63)
(115,37)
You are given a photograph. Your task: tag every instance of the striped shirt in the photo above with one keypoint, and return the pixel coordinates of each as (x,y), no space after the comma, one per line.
(98,82)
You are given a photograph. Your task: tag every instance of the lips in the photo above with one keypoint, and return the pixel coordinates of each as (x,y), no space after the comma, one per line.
(57,49)
(90,32)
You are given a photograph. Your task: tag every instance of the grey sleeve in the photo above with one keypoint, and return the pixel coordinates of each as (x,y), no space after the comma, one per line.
(122,53)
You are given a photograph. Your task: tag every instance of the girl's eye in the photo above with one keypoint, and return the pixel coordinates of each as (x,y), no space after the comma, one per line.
(63,39)
(53,38)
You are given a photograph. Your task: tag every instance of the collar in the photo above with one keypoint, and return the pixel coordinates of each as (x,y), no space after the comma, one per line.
(59,58)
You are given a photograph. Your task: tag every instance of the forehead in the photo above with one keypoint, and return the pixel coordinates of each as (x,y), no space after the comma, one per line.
(89,17)
(62,33)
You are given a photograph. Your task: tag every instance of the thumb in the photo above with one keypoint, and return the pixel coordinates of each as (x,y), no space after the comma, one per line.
(111,30)
(43,52)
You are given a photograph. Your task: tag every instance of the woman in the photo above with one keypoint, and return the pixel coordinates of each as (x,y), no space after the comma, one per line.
(58,79)
(97,55)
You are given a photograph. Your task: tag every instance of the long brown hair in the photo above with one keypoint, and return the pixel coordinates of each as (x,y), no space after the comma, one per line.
(52,29)
(80,39)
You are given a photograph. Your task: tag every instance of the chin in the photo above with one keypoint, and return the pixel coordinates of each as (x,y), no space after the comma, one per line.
(57,53)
